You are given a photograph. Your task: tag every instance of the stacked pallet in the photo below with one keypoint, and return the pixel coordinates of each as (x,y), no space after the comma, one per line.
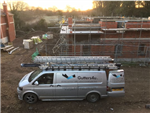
(9,48)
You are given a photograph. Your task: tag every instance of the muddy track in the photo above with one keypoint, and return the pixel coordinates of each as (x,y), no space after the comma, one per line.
(137,91)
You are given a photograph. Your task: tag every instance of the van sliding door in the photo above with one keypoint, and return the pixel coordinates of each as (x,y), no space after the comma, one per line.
(66,85)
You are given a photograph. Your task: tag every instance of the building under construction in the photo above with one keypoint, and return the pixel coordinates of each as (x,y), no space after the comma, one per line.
(8,33)
(119,37)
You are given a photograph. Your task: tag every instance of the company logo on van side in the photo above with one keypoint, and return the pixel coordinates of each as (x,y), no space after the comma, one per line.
(70,77)
(117,76)
(86,78)
(79,77)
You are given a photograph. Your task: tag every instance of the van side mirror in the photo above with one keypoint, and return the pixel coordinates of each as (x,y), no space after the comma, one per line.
(36,83)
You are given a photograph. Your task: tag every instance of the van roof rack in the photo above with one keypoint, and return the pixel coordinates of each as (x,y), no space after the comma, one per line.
(73,62)
(81,66)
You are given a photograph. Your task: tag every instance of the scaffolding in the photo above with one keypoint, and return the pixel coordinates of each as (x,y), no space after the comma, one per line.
(64,47)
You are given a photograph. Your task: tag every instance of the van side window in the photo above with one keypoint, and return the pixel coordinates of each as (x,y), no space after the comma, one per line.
(46,78)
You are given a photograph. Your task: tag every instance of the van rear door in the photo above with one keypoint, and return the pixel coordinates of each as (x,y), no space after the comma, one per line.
(116,83)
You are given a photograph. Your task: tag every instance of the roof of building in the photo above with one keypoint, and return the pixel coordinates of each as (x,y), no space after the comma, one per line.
(104,17)
(86,25)
(127,29)
(96,28)
(117,18)
(67,30)
(3,13)
(126,19)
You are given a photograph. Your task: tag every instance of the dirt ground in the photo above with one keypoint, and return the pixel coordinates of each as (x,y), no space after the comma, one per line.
(137,90)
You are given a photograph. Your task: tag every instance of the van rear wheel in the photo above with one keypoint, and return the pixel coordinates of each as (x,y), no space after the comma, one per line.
(93,97)
(30,98)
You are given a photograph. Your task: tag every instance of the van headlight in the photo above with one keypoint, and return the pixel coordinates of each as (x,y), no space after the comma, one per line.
(20,88)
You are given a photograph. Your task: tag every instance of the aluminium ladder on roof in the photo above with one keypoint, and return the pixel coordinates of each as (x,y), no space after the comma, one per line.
(79,66)
(74,66)
(73,59)
(73,62)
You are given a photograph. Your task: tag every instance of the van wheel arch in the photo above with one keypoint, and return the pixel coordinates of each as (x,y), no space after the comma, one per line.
(32,96)
(93,97)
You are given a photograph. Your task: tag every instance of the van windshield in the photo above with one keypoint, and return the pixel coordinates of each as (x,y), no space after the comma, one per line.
(34,74)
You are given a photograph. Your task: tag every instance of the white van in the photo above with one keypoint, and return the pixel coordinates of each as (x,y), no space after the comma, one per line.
(58,85)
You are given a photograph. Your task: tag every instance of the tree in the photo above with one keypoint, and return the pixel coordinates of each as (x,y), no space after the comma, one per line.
(144,8)
(41,25)
(15,8)
(127,8)
(68,8)
(60,13)
(106,8)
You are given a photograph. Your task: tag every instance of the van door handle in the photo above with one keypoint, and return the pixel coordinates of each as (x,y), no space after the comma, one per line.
(58,85)
(51,85)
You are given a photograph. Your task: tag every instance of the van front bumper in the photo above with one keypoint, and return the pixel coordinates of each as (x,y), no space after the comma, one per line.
(116,93)
(19,93)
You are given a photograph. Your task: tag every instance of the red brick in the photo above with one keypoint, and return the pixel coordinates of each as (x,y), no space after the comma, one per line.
(137,24)
(70,22)
(8,30)
(108,24)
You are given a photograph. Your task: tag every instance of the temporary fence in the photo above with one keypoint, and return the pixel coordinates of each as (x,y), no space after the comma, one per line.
(120,52)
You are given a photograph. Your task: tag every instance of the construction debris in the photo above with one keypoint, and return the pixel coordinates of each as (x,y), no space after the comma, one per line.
(28,44)
(13,50)
(8,48)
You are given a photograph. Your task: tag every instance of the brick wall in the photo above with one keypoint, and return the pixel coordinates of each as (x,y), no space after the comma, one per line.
(95,49)
(136,34)
(3,20)
(108,24)
(11,29)
(129,49)
(77,50)
(70,22)
(7,25)
(137,24)
(11,18)
(3,29)
(89,19)
(1,33)
(12,34)
(127,34)
(112,34)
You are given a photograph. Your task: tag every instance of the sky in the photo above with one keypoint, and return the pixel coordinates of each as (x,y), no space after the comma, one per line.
(61,4)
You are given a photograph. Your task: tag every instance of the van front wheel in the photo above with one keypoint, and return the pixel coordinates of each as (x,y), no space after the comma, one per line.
(30,98)
(93,97)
